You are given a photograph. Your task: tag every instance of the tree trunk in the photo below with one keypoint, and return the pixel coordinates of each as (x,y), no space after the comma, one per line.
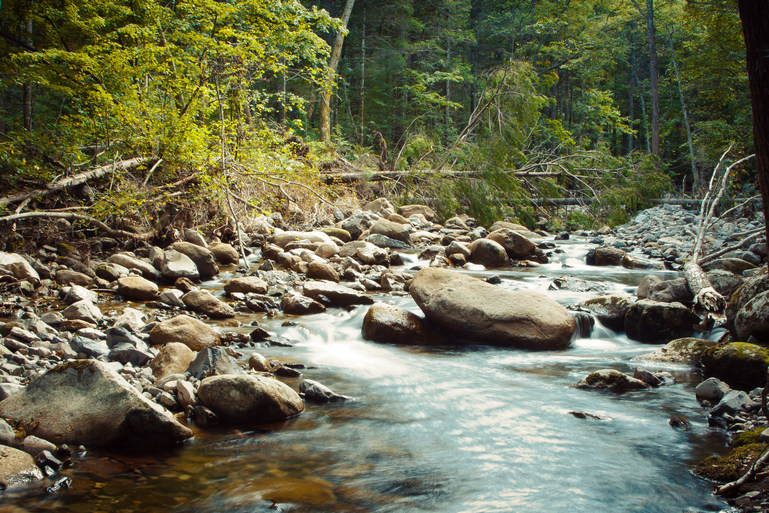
(651,34)
(755,20)
(695,172)
(362,75)
(27,87)
(631,89)
(328,86)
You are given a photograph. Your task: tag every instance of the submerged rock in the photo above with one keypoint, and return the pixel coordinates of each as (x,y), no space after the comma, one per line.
(249,399)
(86,402)
(318,392)
(17,468)
(472,309)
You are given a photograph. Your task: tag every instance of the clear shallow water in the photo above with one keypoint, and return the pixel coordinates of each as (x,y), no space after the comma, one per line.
(477,429)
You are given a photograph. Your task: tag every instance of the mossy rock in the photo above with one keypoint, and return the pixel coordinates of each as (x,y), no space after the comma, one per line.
(610,310)
(731,466)
(733,265)
(681,350)
(747,438)
(749,289)
(741,365)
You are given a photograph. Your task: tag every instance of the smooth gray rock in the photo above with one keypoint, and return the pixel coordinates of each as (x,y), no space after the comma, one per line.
(177,265)
(711,390)
(318,393)
(204,259)
(83,310)
(611,380)
(191,332)
(86,402)
(213,361)
(249,399)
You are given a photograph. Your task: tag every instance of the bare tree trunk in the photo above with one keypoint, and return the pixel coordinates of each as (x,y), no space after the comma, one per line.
(755,20)
(27,87)
(687,125)
(631,90)
(362,75)
(651,34)
(328,86)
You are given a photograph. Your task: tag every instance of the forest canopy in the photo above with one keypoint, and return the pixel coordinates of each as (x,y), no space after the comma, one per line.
(616,101)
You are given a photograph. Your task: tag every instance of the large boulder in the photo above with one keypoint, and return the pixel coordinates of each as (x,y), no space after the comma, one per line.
(137,288)
(752,320)
(189,331)
(654,322)
(203,257)
(176,264)
(410,210)
(334,294)
(205,303)
(297,304)
(739,364)
(83,310)
(131,262)
(283,239)
(224,253)
(213,361)
(86,402)
(488,253)
(608,256)
(517,246)
(390,324)
(472,309)
(249,399)
(17,468)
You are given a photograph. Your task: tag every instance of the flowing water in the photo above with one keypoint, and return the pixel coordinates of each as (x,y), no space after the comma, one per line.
(477,429)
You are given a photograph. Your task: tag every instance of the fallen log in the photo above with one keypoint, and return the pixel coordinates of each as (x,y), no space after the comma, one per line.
(70,216)
(77,179)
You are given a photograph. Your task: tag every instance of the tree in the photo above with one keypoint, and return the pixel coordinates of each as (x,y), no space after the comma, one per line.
(755,20)
(328,84)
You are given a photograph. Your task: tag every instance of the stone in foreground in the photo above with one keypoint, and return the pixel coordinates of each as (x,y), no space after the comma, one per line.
(189,331)
(249,399)
(390,324)
(86,402)
(611,380)
(472,309)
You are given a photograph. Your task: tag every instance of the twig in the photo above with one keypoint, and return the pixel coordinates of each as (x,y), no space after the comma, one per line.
(149,173)
(729,488)
(78,217)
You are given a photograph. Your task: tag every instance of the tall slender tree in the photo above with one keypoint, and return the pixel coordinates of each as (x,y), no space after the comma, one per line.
(333,64)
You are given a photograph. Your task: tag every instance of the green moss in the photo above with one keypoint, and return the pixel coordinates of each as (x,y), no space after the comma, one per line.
(731,466)
(740,364)
(747,438)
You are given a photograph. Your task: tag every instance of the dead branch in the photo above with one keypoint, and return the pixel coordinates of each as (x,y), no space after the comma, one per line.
(752,235)
(72,181)
(79,217)
(732,487)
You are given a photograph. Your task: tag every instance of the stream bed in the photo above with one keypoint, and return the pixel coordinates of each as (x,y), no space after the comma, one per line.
(431,429)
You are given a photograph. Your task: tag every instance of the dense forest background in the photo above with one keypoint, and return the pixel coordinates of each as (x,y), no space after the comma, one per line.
(495,108)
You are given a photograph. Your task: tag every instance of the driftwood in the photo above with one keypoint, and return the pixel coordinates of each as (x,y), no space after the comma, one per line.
(70,216)
(77,179)
(705,296)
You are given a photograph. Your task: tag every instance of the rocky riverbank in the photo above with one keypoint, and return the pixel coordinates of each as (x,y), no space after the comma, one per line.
(133,322)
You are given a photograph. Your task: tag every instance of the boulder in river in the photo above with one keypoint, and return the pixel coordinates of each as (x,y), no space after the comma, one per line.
(335,294)
(472,309)
(203,257)
(189,331)
(86,402)
(224,253)
(739,364)
(685,350)
(488,253)
(137,288)
(611,380)
(390,324)
(749,289)
(176,264)
(173,358)
(318,392)
(297,304)
(609,309)
(752,320)
(18,266)
(246,285)
(205,303)
(654,322)
(248,399)
(213,361)
(517,246)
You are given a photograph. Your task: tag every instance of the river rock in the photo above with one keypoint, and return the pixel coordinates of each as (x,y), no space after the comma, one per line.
(137,288)
(86,402)
(358,222)
(297,304)
(380,206)
(681,350)
(131,262)
(711,390)
(173,358)
(470,308)
(172,297)
(739,364)
(203,257)
(734,402)
(89,347)
(224,253)
(611,380)
(733,265)
(654,322)
(176,264)
(77,293)
(392,230)
(249,399)
(670,291)
(488,253)
(749,289)
(607,256)
(203,302)
(83,310)
(213,361)
(390,324)
(516,245)
(318,393)
(338,233)
(282,239)
(322,271)
(259,363)
(609,309)
(724,282)
(17,468)
(130,319)
(191,332)
(70,277)
(410,210)
(753,319)
(246,285)
(18,266)
(336,294)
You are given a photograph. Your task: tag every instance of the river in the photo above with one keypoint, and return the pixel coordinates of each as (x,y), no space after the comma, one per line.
(449,430)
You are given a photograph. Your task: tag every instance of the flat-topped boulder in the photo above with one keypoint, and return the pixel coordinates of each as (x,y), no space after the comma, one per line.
(282,239)
(249,399)
(187,330)
(335,294)
(86,402)
(390,324)
(471,309)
